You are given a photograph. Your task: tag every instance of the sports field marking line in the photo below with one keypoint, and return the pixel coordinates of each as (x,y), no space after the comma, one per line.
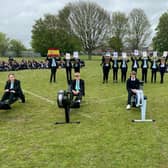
(51,102)
(41,97)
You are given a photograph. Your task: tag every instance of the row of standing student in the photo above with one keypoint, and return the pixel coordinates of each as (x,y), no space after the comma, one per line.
(68,64)
(157,64)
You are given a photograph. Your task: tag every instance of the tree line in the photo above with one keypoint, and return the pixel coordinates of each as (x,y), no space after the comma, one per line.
(86,26)
(10,44)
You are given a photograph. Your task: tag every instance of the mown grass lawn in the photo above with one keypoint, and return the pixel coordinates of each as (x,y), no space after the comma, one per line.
(105,138)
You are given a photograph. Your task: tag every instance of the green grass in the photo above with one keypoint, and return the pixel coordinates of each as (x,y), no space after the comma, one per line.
(105,138)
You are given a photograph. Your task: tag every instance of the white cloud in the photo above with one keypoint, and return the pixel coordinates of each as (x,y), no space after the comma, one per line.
(18,17)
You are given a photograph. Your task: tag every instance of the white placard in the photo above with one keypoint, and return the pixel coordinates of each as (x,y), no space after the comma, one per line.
(144,54)
(124,54)
(165,54)
(155,53)
(136,52)
(115,54)
(107,54)
(75,54)
(67,56)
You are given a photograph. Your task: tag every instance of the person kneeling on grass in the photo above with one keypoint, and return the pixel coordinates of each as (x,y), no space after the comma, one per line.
(12,92)
(78,87)
(133,88)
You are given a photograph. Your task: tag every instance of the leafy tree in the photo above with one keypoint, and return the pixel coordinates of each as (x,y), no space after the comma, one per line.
(63,22)
(139,29)
(16,46)
(90,23)
(119,29)
(50,33)
(69,42)
(4,42)
(116,44)
(44,34)
(160,41)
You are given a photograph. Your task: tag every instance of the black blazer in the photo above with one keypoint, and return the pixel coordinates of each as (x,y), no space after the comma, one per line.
(133,61)
(152,63)
(126,61)
(143,61)
(105,62)
(82,86)
(113,61)
(132,84)
(162,69)
(17,87)
(66,65)
(56,61)
(76,66)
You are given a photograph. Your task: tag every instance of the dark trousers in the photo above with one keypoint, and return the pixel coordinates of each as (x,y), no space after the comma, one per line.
(144,74)
(76,69)
(123,74)
(153,75)
(161,76)
(53,74)
(134,69)
(69,75)
(115,74)
(77,97)
(130,94)
(105,74)
(12,97)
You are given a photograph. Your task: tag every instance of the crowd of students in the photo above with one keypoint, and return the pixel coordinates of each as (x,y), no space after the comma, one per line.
(145,63)
(13,65)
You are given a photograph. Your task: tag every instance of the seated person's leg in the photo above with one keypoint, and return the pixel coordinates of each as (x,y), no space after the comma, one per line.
(129,98)
(22,97)
(4,105)
(75,103)
(79,96)
(5,96)
(138,98)
(141,97)
(12,98)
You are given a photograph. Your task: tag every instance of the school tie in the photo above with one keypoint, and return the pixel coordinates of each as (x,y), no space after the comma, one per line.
(145,64)
(12,85)
(115,63)
(53,63)
(77,87)
(124,64)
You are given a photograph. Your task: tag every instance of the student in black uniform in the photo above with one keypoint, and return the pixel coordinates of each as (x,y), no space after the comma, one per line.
(124,67)
(154,67)
(76,65)
(135,64)
(68,67)
(53,65)
(115,67)
(133,86)
(106,59)
(162,68)
(144,66)
(76,62)
(12,91)
(78,87)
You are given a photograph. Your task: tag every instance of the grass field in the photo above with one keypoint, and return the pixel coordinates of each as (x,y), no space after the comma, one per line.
(105,138)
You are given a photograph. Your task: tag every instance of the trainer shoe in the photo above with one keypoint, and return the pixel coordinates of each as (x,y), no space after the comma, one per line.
(128,107)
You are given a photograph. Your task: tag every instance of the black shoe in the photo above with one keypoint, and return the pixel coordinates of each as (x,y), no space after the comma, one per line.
(23,100)
(4,105)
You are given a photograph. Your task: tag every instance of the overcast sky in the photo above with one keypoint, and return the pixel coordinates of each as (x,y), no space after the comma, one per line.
(18,16)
